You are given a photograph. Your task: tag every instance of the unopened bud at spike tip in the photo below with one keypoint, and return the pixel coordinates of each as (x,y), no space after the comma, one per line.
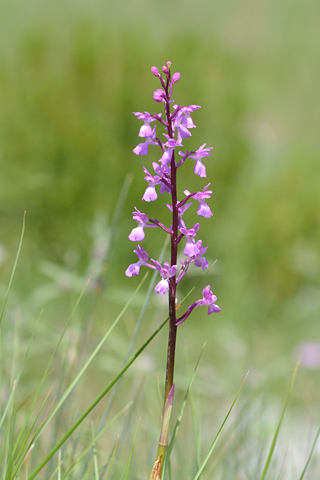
(155,71)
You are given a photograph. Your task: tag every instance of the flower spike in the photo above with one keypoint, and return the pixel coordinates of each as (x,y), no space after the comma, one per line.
(177,123)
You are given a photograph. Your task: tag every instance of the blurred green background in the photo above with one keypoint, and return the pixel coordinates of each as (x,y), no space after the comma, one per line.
(72,73)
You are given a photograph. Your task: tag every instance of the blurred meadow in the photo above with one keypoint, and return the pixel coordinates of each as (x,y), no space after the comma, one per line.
(71,74)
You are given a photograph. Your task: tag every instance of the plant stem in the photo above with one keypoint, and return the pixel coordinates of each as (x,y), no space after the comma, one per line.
(163,442)
(172,287)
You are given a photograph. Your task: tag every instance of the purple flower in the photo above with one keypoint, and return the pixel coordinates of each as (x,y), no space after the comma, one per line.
(171,144)
(150,136)
(187,120)
(177,122)
(166,272)
(147,119)
(191,249)
(200,260)
(150,194)
(137,233)
(164,172)
(202,152)
(182,121)
(159,95)
(208,300)
(134,268)
(204,209)
(182,130)
(181,211)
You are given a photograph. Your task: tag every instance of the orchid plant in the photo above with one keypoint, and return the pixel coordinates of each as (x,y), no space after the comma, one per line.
(177,123)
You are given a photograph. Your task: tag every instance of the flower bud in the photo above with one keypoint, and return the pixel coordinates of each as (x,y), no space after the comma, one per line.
(175,77)
(155,71)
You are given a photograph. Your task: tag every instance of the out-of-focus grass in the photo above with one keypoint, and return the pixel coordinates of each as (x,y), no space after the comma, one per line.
(70,76)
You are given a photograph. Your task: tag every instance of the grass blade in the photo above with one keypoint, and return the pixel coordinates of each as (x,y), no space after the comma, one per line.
(25,448)
(46,373)
(274,440)
(96,438)
(112,459)
(176,427)
(131,453)
(80,373)
(95,456)
(14,267)
(310,455)
(94,403)
(212,447)
(24,426)
(135,333)
(94,353)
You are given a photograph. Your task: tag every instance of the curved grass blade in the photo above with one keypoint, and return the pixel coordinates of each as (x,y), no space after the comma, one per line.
(310,455)
(131,346)
(2,419)
(44,376)
(197,424)
(95,456)
(131,453)
(6,455)
(135,333)
(177,425)
(94,403)
(274,440)
(26,420)
(80,373)
(14,266)
(95,352)
(112,459)
(25,448)
(205,461)
(96,438)
(118,211)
